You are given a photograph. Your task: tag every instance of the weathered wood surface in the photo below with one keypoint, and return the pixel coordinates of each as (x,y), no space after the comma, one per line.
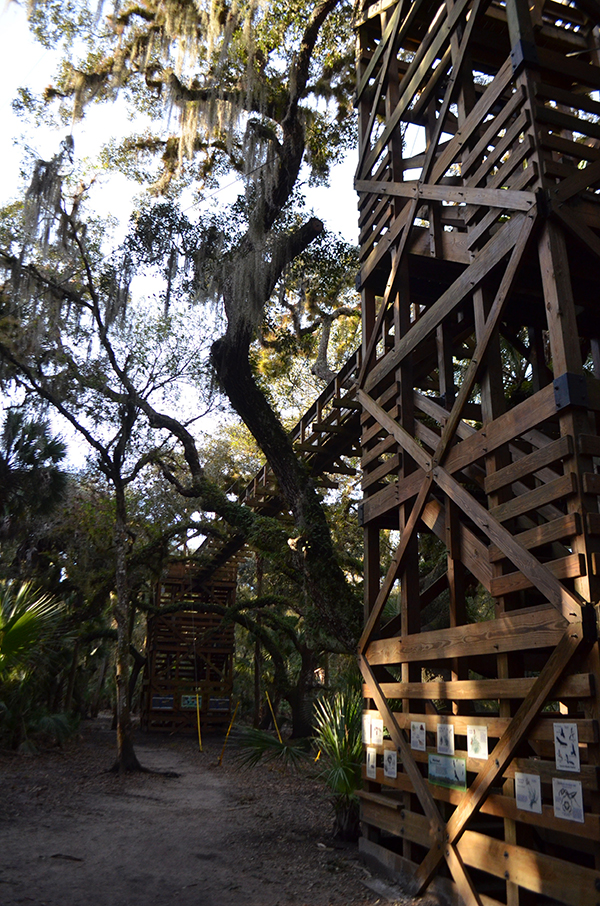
(480,240)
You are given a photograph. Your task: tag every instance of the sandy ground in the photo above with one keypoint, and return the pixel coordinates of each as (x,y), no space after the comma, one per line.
(73,835)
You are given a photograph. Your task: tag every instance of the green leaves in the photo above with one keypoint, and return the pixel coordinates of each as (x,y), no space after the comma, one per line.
(28,621)
(259,745)
(338,725)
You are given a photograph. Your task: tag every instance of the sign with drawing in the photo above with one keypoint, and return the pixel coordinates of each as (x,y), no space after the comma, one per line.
(528,792)
(566,747)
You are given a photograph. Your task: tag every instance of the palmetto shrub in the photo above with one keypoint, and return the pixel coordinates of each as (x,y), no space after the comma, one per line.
(338,736)
(30,639)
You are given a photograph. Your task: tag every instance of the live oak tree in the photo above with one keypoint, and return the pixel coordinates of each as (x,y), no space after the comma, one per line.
(67,348)
(260,91)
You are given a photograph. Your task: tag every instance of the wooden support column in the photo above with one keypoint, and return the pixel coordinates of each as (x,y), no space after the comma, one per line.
(566,356)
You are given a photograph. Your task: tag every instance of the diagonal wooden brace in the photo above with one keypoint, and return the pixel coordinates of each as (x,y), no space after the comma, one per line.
(505,748)
(410,765)
(396,564)
(428,163)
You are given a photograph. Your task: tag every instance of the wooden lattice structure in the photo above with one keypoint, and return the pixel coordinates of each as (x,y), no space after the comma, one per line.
(190,652)
(480,240)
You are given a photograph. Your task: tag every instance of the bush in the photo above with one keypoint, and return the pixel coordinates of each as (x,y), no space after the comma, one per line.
(338,726)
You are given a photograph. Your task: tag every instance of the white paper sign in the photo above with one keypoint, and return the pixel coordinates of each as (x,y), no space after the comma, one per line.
(366,729)
(528,792)
(376,731)
(477,742)
(445,739)
(418,738)
(372,763)
(568,799)
(390,763)
(566,747)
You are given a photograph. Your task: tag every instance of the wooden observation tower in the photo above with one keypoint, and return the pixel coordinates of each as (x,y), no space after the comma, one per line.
(189,668)
(478,182)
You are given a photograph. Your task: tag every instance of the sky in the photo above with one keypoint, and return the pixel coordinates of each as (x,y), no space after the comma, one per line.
(25,62)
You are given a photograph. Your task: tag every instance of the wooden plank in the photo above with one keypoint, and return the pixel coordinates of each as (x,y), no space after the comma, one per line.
(577,70)
(430,407)
(473,551)
(380,503)
(570,567)
(497,198)
(443,888)
(566,121)
(573,149)
(591,483)
(549,876)
(403,823)
(541,730)
(576,686)
(583,178)
(536,572)
(556,530)
(497,805)
(589,774)
(533,462)
(396,565)
(486,102)
(386,47)
(386,40)
(396,270)
(419,784)
(404,439)
(506,746)
(484,340)
(577,227)
(493,128)
(382,471)
(513,632)
(539,497)
(494,250)
(420,66)
(385,446)
(504,157)
(531,412)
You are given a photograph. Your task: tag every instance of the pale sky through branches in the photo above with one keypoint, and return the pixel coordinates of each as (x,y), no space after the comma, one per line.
(24,62)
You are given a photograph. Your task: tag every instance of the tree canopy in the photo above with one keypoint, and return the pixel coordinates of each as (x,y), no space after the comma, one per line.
(133,345)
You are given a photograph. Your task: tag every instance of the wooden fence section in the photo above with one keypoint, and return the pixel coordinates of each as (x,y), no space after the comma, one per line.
(190,653)
(478,182)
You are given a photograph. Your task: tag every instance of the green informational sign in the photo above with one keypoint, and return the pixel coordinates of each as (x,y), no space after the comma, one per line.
(448,771)
(188,702)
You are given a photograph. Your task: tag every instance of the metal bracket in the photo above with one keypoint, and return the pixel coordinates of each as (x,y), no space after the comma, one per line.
(571,390)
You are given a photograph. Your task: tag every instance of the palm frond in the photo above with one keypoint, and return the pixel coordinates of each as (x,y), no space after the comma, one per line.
(254,745)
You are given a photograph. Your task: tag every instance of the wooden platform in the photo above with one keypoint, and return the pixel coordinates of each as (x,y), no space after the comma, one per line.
(480,243)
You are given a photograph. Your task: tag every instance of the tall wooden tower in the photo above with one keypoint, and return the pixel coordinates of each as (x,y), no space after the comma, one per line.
(479,203)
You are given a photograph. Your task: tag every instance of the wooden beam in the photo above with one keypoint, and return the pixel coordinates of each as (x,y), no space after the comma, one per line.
(514,631)
(495,198)
(504,749)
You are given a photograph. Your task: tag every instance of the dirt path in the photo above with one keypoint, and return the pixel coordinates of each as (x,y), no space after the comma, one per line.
(72,835)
